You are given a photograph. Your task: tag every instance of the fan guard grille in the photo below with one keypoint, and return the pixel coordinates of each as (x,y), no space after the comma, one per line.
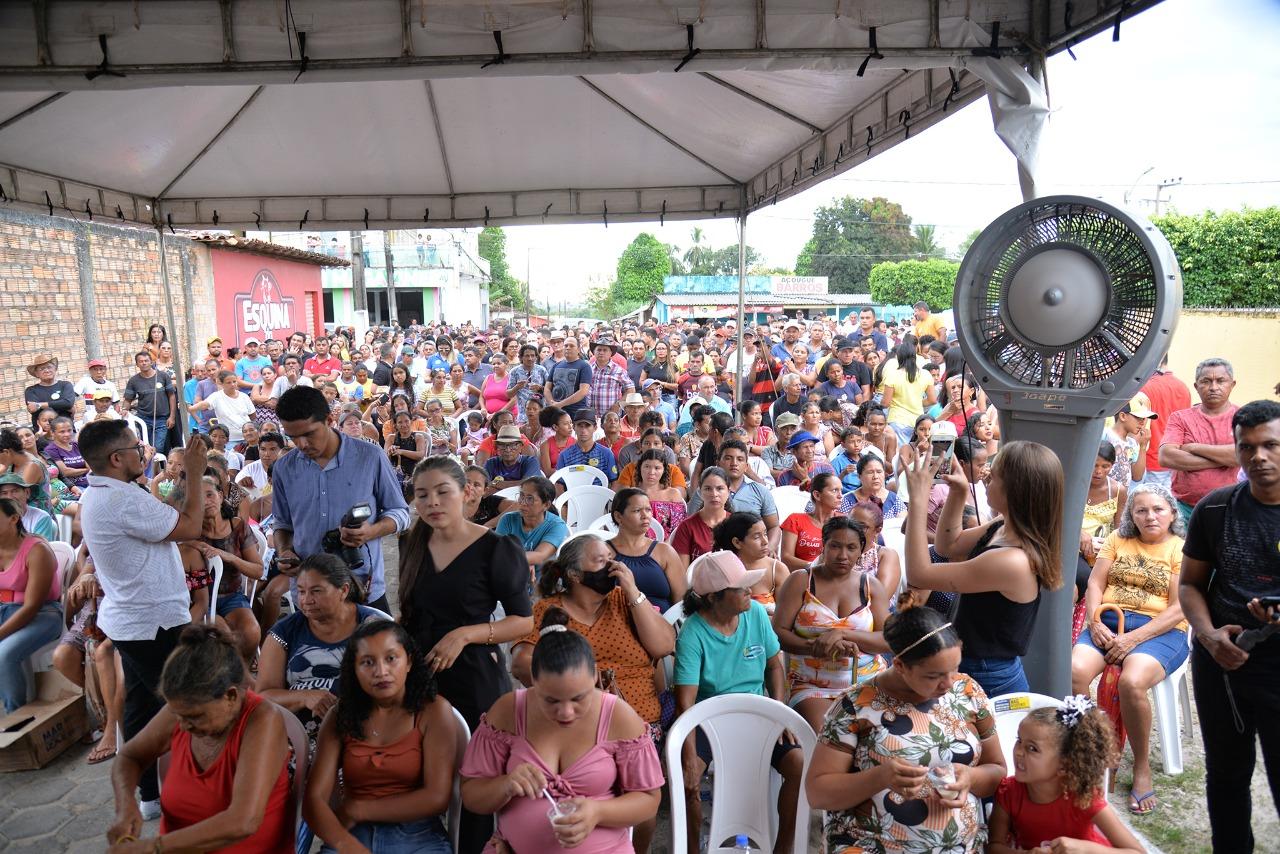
(1128,318)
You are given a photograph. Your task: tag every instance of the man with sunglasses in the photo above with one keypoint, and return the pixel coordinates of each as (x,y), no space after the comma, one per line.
(133,539)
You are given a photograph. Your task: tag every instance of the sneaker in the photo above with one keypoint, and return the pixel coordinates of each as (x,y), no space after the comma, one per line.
(150,809)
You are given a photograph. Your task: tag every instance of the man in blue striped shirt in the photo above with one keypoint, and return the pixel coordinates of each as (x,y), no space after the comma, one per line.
(327,473)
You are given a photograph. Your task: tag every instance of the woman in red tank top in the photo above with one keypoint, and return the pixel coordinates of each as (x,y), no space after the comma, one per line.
(395,742)
(227,786)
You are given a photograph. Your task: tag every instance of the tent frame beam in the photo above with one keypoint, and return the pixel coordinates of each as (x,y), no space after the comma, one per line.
(34,108)
(24,77)
(444,152)
(603,94)
(755,99)
(214,141)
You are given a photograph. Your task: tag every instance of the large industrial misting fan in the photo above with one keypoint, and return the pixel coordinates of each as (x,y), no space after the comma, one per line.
(1064,307)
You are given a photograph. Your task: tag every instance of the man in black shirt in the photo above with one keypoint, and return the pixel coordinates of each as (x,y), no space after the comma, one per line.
(48,390)
(149,395)
(844,354)
(1234,541)
(386,361)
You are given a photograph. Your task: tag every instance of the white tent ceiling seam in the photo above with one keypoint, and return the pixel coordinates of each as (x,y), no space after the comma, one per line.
(394,124)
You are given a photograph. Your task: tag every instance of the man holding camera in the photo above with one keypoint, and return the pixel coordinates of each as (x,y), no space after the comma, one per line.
(1235,663)
(318,491)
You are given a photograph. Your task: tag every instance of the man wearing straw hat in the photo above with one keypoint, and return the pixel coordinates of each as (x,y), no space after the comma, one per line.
(48,390)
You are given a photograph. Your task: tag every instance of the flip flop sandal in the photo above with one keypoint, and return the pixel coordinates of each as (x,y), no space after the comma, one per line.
(98,755)
(1136,802)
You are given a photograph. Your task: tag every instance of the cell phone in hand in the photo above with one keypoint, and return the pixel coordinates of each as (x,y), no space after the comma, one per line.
(1269,601)
(942,445)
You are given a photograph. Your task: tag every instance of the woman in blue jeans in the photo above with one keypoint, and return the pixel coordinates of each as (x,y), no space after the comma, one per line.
(30,616)
(395,743)
(1002,567)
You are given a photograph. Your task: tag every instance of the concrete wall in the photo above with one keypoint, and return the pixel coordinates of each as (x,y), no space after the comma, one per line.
(1247,338)
(49,264)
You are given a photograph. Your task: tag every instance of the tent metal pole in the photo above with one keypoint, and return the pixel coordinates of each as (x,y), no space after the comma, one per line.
(742,292)
(180,420)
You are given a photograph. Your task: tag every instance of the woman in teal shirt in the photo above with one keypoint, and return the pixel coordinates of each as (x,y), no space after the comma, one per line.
(535,524)
(727,646)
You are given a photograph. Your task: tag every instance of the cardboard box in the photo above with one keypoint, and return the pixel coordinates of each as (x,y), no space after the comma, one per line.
(55,720)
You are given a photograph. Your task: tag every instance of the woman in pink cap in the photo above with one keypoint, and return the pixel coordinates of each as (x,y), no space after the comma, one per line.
(727,646)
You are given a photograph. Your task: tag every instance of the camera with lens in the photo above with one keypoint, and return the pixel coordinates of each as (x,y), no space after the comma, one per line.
(332,540)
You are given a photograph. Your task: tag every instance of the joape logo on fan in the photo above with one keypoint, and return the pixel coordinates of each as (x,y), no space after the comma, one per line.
(265,308)
(1046,399)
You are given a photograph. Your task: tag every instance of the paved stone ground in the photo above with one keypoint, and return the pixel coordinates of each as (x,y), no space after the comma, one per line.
(68,805)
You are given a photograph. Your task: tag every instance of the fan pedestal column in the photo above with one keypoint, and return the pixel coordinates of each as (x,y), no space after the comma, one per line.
(1075,441)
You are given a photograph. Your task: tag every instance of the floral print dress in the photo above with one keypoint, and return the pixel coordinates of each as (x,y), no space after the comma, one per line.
(872,726)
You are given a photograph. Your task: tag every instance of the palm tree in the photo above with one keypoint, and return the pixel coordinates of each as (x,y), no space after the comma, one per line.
(927,245)
(696,256)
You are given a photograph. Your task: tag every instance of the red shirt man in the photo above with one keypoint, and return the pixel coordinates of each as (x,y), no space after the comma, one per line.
(1167,395)
(1198,443)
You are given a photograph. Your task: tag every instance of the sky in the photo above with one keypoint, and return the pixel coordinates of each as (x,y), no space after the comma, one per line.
(1188,93)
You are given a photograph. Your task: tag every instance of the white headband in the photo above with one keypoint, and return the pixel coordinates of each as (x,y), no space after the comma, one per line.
(547,629)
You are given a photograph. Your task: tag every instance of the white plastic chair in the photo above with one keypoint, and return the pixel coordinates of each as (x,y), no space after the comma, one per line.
(1009,710)
(790,499)
(606,525)
(215,566)
(511,493)
(41,660)
(64,527)
(139,426)
(250,585)
(584,504)
(1171,696)
(742,730)
(572,476)
(459,422)
(454,815)
(675,618)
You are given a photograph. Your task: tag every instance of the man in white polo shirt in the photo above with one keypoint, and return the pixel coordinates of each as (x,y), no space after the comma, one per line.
(132,537)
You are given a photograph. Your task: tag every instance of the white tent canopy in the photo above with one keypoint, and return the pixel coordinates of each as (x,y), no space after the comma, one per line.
(392,113)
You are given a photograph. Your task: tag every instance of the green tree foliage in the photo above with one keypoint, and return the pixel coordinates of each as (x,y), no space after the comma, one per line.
(695,255)
(927,245)
(852,236)
(966,243)
(641,269)
(503,289)
(904,282)
(1228,260)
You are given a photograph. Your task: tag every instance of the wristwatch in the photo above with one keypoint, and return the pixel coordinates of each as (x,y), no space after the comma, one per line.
(639,600)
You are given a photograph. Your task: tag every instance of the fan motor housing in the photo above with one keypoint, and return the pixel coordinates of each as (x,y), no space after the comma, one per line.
(1065,305)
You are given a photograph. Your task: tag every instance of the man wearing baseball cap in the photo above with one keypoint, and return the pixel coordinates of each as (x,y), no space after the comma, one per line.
(34,520)
(727,646)
(213,349)
(103,409)
(249,366)
(94,381)
(586,451)
(1131,435)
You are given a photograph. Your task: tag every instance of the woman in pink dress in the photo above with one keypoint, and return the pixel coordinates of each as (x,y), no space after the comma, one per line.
(493,390)
(562,740)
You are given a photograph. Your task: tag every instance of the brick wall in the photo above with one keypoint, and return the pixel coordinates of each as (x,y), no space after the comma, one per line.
(43,261)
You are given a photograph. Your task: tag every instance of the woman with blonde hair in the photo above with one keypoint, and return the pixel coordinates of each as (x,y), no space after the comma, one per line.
(1003,567)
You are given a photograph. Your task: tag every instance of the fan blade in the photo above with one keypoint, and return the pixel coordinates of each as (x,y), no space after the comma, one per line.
(1109,336)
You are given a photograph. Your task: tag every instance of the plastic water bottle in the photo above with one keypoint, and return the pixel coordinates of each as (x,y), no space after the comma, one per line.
(741,843)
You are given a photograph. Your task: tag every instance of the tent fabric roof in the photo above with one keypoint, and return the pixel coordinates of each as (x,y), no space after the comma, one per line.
(386,114)
(765,299)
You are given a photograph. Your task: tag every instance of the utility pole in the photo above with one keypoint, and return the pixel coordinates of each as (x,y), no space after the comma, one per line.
(528,263)
(1161,187)
(358,294)
(391,277)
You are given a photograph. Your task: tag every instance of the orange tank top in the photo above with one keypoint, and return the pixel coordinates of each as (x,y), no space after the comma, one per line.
(383,770)
(189,796)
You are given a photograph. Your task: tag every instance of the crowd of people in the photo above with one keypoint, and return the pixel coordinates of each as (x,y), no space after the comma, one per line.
(778,522)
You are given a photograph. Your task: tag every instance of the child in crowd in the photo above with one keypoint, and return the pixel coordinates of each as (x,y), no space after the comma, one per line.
(1055,799)
(476,433)
(845,459)
(162,484)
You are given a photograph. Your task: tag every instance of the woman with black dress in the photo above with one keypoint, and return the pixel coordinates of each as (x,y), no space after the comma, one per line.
(453,575)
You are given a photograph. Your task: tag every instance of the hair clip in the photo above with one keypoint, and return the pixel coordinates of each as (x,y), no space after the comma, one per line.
(1072,709)
(548,629)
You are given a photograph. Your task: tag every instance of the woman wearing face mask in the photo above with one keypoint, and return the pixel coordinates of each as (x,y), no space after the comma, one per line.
(627,635)
(827,619)
(658,571)
(876,748)
(392,739)
(565,739)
